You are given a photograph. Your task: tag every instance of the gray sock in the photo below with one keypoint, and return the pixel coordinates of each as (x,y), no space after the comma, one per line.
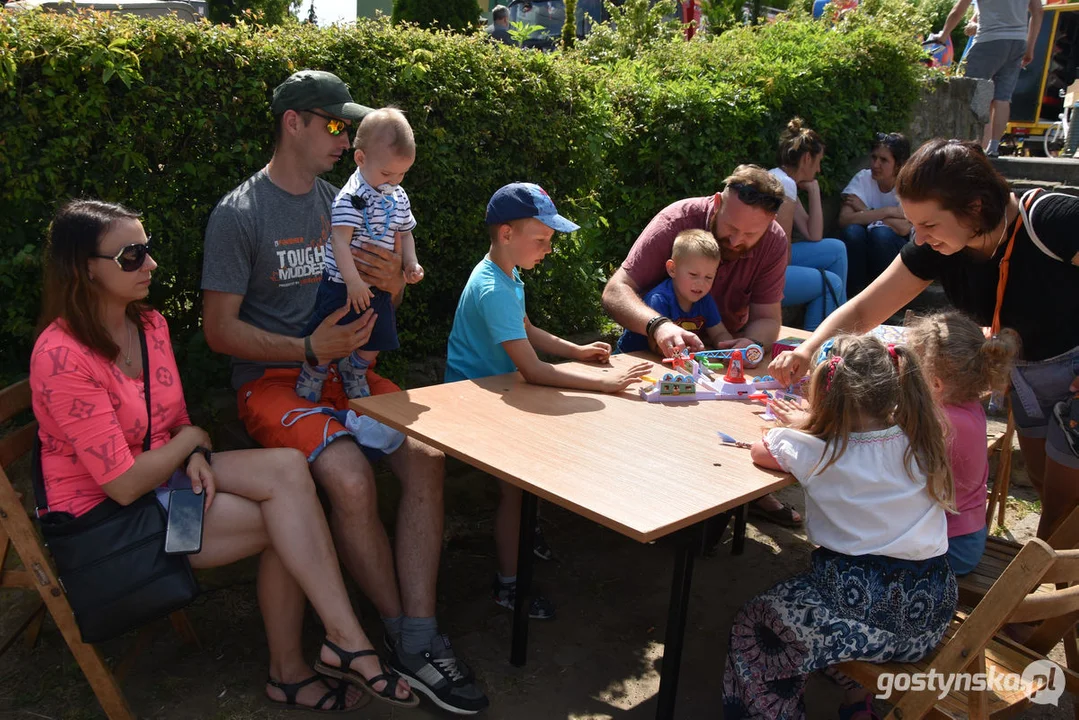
(417,633)
(393,627)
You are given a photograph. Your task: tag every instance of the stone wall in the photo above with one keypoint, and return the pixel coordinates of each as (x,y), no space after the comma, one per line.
(955,108)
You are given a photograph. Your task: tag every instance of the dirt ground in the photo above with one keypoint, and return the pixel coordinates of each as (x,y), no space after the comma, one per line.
(599,660)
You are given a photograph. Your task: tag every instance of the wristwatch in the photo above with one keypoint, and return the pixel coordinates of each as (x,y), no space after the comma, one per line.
(200,450)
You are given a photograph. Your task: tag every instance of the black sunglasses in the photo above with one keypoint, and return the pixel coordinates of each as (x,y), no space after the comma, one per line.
(756,198)
(889,139)
(131,257)
(334,126)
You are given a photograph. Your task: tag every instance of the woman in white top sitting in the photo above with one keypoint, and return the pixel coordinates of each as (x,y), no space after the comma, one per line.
(874,227)
(817,271)
(871,457)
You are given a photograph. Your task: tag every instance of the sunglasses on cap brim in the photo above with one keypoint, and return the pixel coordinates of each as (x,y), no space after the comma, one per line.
(131,257)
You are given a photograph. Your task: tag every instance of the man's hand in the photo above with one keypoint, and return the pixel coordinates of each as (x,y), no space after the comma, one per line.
(671,339)
(937,37)
(1028,56)
(597,352)
(330,341)
(380,267)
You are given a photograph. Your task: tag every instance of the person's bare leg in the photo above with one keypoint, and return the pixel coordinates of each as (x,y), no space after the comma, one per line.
(1033,450)
(771,503)
(987,131)
(1059,497)
(420,516)
(998,118)
(343,471)
(270,494)
(507,528)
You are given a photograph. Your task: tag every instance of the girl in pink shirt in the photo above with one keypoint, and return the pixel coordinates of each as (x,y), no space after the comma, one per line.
(89,399)
(961,365)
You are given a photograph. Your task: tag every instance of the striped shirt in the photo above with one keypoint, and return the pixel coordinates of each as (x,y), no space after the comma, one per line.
(375,217)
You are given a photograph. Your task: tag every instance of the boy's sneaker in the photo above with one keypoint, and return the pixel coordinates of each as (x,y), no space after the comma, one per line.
(354,379)
(1067,414)
(438,674)
(309,383)
(506,593)
(540,548)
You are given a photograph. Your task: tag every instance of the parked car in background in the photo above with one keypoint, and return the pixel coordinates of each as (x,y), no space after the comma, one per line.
(551,15)
(189,10)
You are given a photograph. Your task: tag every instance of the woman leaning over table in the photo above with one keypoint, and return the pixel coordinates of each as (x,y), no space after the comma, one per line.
(86,378)
(1004,271)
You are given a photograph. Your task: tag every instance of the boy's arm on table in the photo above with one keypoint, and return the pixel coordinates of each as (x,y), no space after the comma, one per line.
(574,377)
(545,342)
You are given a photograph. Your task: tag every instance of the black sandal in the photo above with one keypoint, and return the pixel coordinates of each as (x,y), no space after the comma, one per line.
(344,671)
(337,694)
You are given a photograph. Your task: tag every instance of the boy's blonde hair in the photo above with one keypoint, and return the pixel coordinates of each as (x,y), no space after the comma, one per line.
(954,350)
(863,378)
(695,242)
(386,127)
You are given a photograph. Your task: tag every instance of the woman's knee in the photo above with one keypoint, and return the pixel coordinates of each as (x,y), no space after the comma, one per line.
(289,470)
(855,235)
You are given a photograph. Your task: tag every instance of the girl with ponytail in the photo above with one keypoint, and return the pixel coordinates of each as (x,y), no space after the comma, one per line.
(871,457)
(961,364)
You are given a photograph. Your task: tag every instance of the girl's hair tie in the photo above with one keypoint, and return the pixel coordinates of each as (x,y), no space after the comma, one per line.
(834,362)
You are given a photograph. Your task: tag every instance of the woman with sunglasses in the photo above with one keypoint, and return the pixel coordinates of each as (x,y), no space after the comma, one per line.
(873,224)
(88,396)
(1008,262)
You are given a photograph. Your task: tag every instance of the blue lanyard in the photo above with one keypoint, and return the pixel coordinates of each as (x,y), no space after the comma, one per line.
(388,206)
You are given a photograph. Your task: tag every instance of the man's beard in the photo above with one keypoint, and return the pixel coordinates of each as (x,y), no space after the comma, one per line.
(727,253)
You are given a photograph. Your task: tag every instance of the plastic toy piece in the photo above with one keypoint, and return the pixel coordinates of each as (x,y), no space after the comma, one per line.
(734,369)
(728,440)
(751,355)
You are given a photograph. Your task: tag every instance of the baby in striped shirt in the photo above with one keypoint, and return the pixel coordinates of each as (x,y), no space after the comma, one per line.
(371,209)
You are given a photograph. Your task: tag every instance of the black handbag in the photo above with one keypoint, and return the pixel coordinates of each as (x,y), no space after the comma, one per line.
(111,561)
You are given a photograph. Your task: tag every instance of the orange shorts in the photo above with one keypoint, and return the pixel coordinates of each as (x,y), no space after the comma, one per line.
(264,402)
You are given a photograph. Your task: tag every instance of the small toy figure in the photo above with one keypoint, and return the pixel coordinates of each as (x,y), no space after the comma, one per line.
(734,369)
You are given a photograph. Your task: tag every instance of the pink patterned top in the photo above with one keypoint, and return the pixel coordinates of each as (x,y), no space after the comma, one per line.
(93,417)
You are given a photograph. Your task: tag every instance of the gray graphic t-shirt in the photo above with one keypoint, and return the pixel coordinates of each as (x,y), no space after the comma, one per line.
(268,245)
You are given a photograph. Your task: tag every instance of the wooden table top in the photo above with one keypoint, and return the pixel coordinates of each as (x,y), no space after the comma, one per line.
(642,469)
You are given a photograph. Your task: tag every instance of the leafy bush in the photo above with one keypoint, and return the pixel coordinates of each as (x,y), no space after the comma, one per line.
(167,117)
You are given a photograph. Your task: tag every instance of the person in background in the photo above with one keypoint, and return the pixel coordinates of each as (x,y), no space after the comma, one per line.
(874,228)
(499,29)
(817,266)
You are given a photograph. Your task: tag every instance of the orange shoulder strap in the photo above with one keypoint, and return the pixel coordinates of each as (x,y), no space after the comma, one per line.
(1002,279)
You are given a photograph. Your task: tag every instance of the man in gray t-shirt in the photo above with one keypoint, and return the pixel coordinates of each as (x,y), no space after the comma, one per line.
(262,264)
(1003,46)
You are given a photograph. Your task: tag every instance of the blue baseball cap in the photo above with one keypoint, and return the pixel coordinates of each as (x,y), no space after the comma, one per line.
(526,200)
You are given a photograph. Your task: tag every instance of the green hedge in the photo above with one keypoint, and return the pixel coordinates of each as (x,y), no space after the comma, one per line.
(167,117)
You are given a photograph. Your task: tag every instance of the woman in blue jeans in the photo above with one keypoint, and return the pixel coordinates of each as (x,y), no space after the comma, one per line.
(817,268)
(874,228)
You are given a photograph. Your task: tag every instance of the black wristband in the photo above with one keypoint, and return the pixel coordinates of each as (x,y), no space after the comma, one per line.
(650,328)
(200,450)
(309,352)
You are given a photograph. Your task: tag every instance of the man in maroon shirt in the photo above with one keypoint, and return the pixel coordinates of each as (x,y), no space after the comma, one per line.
(748,286)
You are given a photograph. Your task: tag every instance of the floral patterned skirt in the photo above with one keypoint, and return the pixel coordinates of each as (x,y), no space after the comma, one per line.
(870,607)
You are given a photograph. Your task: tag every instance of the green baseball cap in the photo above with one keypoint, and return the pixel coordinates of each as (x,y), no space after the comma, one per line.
(316,90)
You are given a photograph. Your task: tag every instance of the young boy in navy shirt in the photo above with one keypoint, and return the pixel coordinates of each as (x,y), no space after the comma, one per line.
(492,335)
(685,297)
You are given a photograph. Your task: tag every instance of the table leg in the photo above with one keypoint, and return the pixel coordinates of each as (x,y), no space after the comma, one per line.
(676,625)
(738,542)
(519,645)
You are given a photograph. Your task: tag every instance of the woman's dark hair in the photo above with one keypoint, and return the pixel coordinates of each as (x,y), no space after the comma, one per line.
(69,293)
(960,177)
(895,143)
(797,140)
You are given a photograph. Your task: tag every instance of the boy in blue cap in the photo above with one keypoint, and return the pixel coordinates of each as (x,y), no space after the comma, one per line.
(491,335)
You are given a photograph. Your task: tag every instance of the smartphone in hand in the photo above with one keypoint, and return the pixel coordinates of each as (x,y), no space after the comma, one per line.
(183,531)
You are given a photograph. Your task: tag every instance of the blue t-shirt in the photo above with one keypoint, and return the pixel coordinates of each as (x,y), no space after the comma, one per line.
(703,315)
(491,311)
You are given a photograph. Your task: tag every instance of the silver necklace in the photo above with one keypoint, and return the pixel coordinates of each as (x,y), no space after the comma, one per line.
(127,353)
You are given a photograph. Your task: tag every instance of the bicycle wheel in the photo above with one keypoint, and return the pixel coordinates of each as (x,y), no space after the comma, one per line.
(1054,140)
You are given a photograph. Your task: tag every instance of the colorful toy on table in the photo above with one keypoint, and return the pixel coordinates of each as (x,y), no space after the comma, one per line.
(673,387)
(728,440)
(751,354)
(734,369)
(785,344)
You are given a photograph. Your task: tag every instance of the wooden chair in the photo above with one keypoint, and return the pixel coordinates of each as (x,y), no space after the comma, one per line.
(972,644)
(19,537)
(998,492)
